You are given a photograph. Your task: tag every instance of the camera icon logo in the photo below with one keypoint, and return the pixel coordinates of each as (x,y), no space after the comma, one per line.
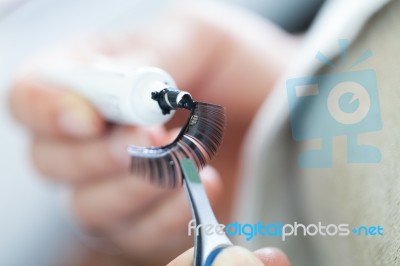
(346,104)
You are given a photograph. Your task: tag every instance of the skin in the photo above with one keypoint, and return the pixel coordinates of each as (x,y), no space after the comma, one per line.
(238,256)
(232,64)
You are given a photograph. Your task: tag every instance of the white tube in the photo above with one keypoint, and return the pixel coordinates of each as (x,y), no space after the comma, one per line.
(120,96)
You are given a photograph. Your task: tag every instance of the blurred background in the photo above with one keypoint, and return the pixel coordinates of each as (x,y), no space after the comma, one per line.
(34,230)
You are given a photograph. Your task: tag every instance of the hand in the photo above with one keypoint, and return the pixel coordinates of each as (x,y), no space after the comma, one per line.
(209,55)
(238,256)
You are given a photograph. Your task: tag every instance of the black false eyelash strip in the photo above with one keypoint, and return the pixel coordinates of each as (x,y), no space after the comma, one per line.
(198,140)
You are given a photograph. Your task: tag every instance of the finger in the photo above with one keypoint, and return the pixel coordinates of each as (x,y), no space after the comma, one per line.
(185,259)
(53,111)
(237,256)
(163,229)
(272,257)
(268,257)
(79,161)
(105,205)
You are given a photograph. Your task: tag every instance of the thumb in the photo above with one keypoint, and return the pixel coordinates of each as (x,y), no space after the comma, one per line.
(237,256)
(52,111)
(272,257)
(48,108)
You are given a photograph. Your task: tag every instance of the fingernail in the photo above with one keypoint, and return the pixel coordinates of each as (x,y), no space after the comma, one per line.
(236,256)
(76,117)
(122,137)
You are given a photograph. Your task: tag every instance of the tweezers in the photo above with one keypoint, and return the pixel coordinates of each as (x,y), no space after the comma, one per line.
(206,246)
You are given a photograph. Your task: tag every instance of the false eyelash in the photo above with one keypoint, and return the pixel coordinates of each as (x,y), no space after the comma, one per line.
(198,140)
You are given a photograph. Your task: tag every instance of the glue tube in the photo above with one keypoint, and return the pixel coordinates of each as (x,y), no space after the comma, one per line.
(119,95)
